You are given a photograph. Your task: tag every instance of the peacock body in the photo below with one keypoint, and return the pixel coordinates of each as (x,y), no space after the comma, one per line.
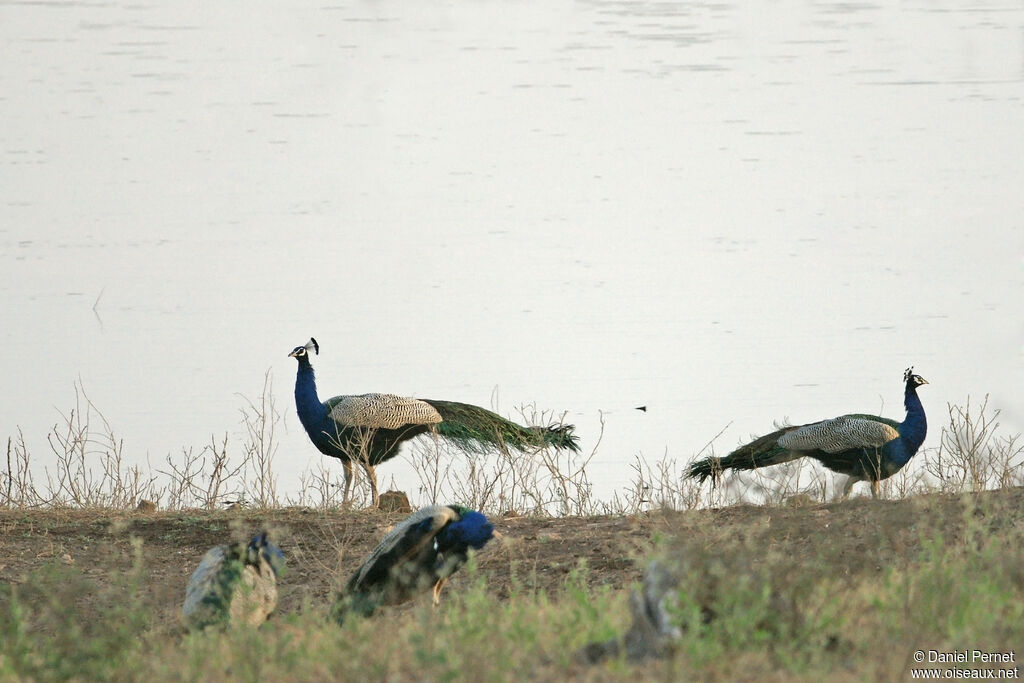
(863,447)
(234,584)
(421,551)
(370,428)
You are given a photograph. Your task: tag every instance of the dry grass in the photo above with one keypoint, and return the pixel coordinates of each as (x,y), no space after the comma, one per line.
(89,470)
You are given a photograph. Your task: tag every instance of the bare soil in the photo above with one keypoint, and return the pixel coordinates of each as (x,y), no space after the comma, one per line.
(859,537)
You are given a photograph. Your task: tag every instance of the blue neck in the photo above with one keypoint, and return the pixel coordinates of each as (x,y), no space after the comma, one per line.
(915,425)
(472,531)
(311,411)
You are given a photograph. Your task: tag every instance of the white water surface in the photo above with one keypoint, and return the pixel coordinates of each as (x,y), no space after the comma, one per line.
(732,214)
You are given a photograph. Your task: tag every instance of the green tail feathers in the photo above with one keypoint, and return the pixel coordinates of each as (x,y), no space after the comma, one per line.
(477,429)
(761,452)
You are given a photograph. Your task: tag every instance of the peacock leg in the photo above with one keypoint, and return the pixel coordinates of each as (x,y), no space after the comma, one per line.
(347,467)
(847,487)
(437,591)
(372,476)
(875,488)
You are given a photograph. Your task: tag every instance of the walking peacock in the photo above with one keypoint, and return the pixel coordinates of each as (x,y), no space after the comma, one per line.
(864,447)
(421,551)
(234,584)
(370,428)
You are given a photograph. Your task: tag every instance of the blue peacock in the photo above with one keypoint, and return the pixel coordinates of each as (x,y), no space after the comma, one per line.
(421,551)
(863,447)
(370,428)
(234,584)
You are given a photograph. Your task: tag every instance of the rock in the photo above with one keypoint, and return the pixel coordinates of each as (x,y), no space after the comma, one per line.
(394,501)
(652,633)
(800,500)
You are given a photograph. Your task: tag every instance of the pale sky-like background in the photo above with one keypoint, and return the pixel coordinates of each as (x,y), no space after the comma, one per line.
(732,215)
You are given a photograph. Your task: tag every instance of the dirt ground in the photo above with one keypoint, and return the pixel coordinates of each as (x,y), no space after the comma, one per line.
(324,548)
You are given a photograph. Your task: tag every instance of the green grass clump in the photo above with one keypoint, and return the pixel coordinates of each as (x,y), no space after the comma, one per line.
(748,605)
(60,624)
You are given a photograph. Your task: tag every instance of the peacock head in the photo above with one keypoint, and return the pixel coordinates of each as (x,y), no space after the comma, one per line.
(913,381)
(472,530)
(301,352)
(262,549)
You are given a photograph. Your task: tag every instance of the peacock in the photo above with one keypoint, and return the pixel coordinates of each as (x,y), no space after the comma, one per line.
(370,428)
(863,447)
(421,551)
(234,584)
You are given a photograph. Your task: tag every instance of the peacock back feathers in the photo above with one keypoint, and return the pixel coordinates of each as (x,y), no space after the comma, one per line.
(380,411)
(234,584)
(421,551)
(841,434)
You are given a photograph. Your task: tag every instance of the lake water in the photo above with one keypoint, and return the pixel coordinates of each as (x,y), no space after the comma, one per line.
(730,214)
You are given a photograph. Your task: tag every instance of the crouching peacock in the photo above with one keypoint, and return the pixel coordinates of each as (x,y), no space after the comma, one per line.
(370,428)
(863,447)
(421,551)
(234,584)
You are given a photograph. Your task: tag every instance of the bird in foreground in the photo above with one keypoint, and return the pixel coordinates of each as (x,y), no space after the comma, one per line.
(234,584)
(863,447)
(370,428)
(421,551)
